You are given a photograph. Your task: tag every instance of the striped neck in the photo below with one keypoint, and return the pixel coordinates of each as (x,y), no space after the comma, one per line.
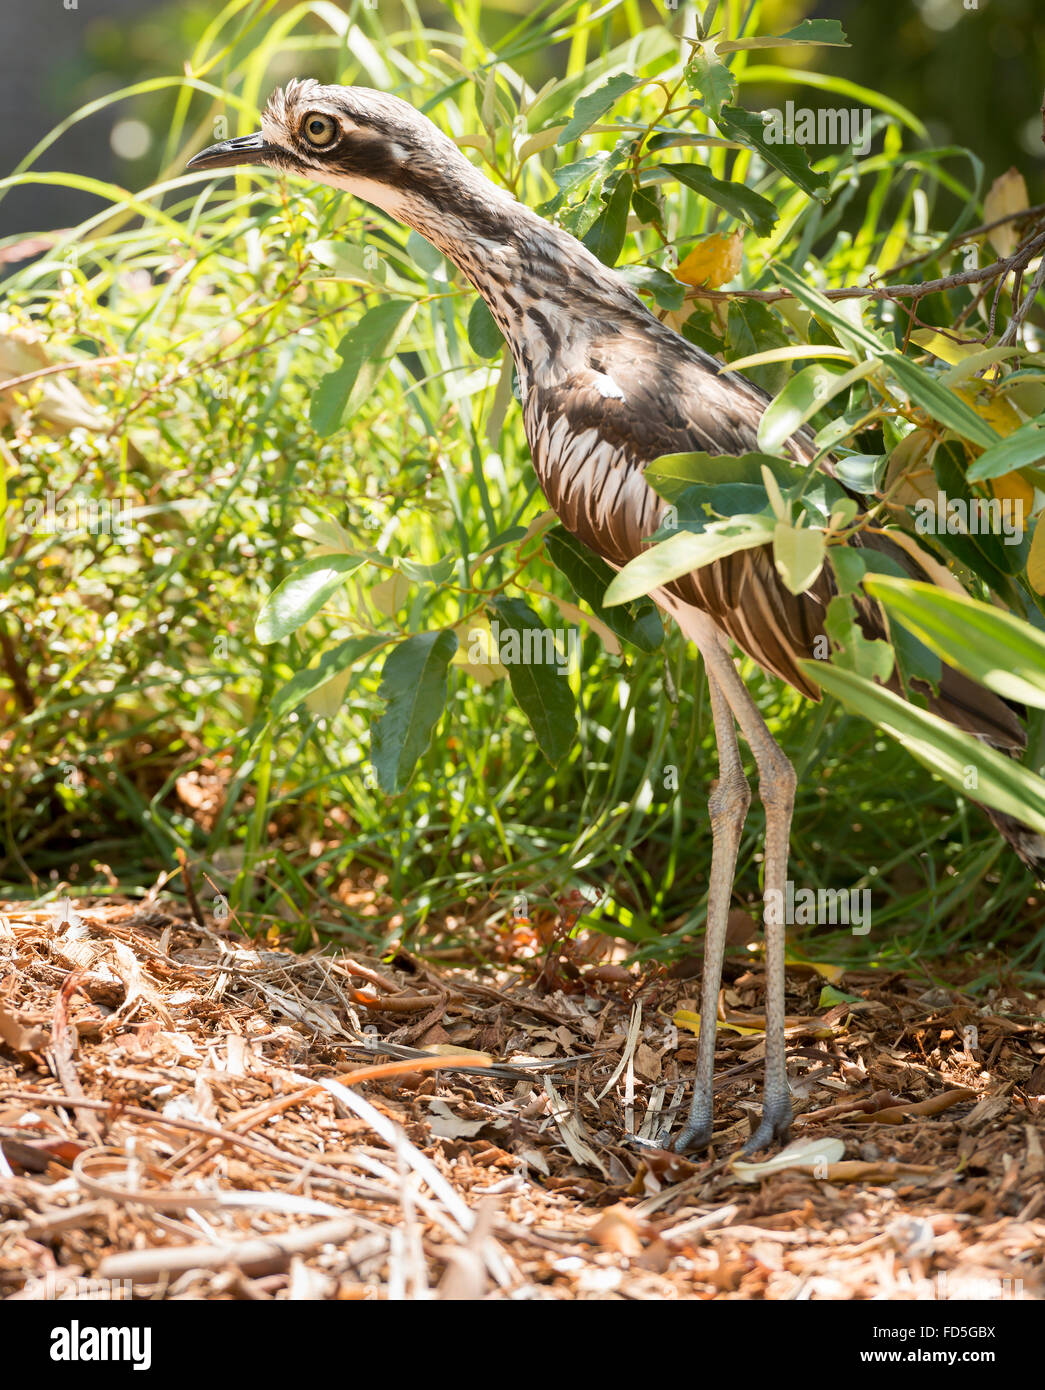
(548,294)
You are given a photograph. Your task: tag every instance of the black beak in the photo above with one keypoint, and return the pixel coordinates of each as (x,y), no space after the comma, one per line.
(245,149)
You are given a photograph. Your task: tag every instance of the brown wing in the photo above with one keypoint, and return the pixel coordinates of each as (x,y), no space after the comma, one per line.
(643,394)
(591,446)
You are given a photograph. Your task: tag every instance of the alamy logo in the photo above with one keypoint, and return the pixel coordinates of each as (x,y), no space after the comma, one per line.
(76,1343)
(975,516)
(820,907)
(534,646)
(105,516)
(828,126)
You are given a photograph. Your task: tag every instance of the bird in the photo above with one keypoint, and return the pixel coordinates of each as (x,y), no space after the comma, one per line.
(606,387)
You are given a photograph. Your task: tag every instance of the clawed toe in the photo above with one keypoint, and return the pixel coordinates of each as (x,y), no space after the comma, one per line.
(692,1138)
(775,1127)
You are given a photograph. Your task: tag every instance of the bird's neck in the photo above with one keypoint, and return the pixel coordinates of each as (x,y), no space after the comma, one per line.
(548,294)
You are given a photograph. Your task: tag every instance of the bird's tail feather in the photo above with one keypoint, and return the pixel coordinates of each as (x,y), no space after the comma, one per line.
(987,716)
(1028,844)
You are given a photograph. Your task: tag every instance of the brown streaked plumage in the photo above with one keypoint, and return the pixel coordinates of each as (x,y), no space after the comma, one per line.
(606,388)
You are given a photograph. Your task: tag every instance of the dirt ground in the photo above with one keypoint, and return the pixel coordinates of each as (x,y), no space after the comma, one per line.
(187,1114)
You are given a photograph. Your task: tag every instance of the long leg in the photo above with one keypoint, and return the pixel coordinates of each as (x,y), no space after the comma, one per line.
(727,807)
(776,788)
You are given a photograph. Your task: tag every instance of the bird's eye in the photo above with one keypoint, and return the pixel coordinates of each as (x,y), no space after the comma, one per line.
(319,130)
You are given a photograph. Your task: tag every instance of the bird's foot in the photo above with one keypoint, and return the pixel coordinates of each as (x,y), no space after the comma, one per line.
(775,1127)
(692,1138)
(696,1132)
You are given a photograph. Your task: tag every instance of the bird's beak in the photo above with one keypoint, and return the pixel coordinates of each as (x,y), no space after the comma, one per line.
(245,149)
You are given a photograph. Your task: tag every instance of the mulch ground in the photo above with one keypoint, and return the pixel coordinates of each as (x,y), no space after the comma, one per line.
(194,1115)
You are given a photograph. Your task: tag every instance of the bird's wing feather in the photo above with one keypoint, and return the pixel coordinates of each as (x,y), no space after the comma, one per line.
(594,431)
(636,398)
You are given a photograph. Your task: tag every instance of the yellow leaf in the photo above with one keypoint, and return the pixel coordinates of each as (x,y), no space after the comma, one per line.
(995,410)
(1014,487)
(831,973)
(390,594)
(713,261)
(946,349)
(325,702)
(56,399)
(685,1018)
(1036,560)
(476,652)
(1008,193)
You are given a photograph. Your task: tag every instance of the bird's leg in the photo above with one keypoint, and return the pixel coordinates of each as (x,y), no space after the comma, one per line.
(727,808)
(776,787)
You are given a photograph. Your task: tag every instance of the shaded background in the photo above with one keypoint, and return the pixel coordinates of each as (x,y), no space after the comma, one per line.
(974,76)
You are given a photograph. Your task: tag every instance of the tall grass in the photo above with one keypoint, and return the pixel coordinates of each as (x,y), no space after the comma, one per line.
(196,318)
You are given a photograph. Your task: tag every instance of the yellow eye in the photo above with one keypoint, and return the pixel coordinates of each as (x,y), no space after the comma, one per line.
(319,130)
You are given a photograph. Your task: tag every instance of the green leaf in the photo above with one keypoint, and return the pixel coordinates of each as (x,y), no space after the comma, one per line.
(984,552)
(725,500)
(712,79)
(438,573)
(849,566)
(413,684)
(943,405)
(829,997)
(1023,447)
(798,553)
(749,129)
(685,552)
(605,238)
(590,577)
(646,205)
(996,649)
(736,199)
(423,254)
(806,393)
(364,351)
(752,327)
(818,31)
(668,292)
(351,262)
(869,657)
(810,31)
(582,215)
(331,664)
(914,659)
(302,594)
(596,104)
(540,685)
(571,178)
(963,762)
(850,333)
(861,472)
(484,337)
(672,474)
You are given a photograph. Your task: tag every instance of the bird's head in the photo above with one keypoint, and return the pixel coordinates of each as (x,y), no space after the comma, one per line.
(379,148)
(353,138)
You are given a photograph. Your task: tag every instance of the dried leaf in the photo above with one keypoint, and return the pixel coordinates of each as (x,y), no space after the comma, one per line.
(713,261)
(900,1114)
(814,1154)
(619,1229)
(1007,194)
(19,1034)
